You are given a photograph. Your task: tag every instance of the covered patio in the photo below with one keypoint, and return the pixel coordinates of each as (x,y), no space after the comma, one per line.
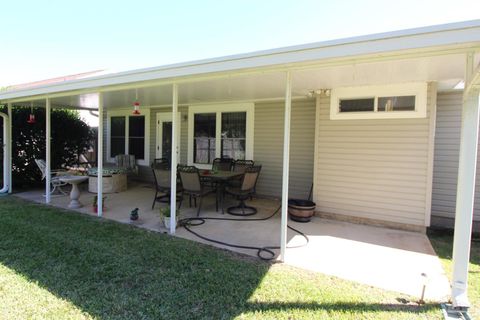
(413,63)
(389,259)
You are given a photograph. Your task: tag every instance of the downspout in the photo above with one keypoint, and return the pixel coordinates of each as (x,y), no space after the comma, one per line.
(6,155)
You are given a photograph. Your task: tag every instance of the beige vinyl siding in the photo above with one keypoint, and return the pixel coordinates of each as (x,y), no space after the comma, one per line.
(447,147)
(373,169)
(268,147)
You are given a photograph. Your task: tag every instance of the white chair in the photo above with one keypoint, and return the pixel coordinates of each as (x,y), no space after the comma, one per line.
(55,181)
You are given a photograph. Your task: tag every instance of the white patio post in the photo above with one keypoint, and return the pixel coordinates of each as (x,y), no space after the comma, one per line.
(100,156)
(48,156)
(465,191)
(173,180)
(9,147)
(286,162)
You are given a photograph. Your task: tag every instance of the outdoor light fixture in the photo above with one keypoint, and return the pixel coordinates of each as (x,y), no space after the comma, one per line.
(136,104)
(31,116)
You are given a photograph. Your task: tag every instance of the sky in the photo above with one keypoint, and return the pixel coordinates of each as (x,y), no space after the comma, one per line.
(47,39)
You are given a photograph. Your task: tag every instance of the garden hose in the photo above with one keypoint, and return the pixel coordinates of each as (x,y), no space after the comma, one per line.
(265,253)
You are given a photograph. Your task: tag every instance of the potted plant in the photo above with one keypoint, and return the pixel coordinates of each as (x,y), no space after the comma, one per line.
(165,215)
(95,203)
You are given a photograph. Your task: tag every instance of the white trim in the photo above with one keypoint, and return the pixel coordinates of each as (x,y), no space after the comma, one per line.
(48,153)
(173,177)
(467,168)
(286,165)
(418,89)
(127,113)
(249,108)
(431,152)
(165,117)
(316,150)
(100,155)
(10,138)
(6,156)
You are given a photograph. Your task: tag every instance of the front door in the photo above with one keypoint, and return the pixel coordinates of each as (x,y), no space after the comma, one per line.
(164,135)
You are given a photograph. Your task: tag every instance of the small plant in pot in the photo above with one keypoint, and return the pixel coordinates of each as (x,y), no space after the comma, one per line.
(165,215)
(95,204)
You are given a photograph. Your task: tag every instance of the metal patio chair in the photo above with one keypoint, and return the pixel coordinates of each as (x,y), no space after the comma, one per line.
(192,186)
(55,181)
(245,191)
(162,175)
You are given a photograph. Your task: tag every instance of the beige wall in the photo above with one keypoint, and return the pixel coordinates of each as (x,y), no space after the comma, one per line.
(268,147)
(373,169)
(445,169)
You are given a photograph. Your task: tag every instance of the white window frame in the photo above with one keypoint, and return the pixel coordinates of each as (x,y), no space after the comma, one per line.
(249,108)
(417,89)
(127,113)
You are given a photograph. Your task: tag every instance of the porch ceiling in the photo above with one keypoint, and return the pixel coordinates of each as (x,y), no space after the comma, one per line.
(446,70)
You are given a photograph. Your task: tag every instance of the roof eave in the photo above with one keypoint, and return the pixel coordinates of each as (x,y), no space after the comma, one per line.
(460,36)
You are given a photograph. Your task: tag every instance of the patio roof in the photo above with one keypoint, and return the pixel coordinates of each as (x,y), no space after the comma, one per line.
(433,53)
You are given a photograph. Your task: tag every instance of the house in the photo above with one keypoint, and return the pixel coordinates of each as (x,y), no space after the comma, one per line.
(372,122)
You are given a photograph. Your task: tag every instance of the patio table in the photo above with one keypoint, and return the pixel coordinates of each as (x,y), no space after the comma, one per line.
(220,178)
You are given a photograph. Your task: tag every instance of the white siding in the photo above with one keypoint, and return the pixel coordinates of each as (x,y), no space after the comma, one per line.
(373,169)
(447,146)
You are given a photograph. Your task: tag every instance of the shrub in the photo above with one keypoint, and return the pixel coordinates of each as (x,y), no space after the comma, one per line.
(70,137)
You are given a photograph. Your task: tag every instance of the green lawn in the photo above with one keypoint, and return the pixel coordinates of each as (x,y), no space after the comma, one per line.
(56,264)
(442,243)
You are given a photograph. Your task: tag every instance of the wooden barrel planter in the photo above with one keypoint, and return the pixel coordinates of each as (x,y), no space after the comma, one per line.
(301,210)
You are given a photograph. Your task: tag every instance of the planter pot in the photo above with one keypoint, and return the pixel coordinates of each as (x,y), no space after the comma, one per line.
(301,210)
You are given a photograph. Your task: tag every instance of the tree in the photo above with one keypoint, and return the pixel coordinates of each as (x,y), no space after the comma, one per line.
(70,137)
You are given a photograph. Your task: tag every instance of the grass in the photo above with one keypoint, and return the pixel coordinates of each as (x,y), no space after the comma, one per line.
(55,264)
(442,242)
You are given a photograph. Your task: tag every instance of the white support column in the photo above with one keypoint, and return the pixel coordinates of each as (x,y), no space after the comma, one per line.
(173,180)
(465,192)
(100,156)
(9,146)
(286,163)
(48,151)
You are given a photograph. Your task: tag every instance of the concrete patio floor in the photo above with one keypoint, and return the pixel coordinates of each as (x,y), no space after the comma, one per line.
(385,258)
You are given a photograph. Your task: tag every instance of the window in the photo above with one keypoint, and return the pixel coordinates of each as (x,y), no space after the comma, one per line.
(220,131)
(357,105)
(379,102)
(204,137)
(234,129)
(126,135)
(405,103)
(117,138)
(136,137)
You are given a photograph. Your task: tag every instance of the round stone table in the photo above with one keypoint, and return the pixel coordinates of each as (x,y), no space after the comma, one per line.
(75,193)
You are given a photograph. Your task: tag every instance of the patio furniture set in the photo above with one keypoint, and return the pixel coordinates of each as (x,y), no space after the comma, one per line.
(114,178)
(227,176)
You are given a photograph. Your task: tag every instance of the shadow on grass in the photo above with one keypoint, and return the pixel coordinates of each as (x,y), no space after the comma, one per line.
(442,241)
(110,270)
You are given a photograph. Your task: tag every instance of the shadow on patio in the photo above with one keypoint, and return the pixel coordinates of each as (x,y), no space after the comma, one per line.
(384,258)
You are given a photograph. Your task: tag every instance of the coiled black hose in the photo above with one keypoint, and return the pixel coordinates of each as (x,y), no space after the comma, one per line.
(265,253)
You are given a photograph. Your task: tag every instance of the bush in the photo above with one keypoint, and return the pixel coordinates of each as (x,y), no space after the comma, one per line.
(70,137)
